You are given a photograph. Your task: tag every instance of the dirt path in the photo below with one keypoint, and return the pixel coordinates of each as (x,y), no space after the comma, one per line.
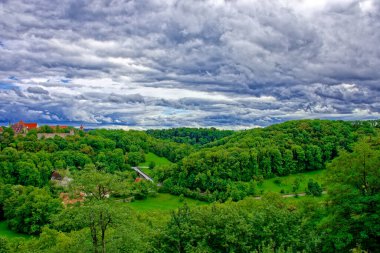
(291,195)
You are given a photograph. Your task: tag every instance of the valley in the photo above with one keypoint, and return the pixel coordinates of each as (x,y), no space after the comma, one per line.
(283,187)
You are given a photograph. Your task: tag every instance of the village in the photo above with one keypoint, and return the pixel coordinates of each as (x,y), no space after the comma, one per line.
(44,131)
(59,177)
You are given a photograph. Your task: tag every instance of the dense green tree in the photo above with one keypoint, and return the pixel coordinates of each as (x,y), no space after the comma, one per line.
(97,213)
(6,137)
(208,165)
(28,174)
(134,158)
(28,209)
(242,227)
(313,188)
(354,197)
(193,136)
(290,147)
(96,185)
(4,245)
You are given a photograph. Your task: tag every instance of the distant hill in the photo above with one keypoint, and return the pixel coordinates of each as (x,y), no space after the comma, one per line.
(229,166)
(193,136)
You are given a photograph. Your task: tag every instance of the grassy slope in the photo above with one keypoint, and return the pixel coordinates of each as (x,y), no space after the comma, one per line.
(6,232)
(166,202)
(163,202)
(150,157)
(286,184)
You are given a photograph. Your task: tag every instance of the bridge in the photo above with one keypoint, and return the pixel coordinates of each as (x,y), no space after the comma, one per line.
(142,174)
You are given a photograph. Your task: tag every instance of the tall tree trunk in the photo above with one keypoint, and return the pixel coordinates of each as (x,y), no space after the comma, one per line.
(93,233)
(103,232)
(105,219)
(103,242)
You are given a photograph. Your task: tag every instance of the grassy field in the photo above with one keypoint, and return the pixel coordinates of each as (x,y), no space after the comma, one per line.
(150,157)
(6,232)
(163,202)
(286,183)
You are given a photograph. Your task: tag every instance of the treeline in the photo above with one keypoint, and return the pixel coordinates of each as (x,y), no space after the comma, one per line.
(229,168)
(192,136)
(27,164)
(134,141)
(27,160)
(27,208)
(268,225)
(98,163)
(347,221)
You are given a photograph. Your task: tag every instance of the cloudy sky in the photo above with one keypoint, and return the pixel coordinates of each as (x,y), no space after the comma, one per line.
(155,63)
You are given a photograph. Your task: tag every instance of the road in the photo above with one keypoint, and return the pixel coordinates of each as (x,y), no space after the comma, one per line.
(142,174)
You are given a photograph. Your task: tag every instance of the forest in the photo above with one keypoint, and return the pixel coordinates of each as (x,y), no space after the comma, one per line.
(76,194)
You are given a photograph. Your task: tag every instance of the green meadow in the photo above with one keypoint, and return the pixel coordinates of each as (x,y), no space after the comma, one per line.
(6,232)
(151,157)
(285,184)
(163,202)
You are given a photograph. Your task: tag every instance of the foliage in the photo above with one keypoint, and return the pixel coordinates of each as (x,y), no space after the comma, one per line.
(193,136)
(28,209)
(313,188)
(153,158)
(9,234)
(208,165)
(233,227)
(227,168)
(4,245)
(96,185)
(353,214)
(135,158)
(162,202)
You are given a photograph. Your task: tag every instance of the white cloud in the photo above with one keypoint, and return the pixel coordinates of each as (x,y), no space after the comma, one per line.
(216,63)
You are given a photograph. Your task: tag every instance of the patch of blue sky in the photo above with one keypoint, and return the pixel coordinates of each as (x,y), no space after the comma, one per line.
(7,86)
(173,111)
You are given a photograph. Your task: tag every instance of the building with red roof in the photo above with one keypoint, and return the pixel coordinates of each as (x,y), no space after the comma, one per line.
(22,127)
(138,179)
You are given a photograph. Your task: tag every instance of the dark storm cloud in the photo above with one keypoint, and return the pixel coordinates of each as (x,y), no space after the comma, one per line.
(170,63)
(37,90)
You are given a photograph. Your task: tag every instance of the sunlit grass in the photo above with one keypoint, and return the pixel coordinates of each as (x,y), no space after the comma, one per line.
(6,232)
(163,202)
(285,184)
(158,160)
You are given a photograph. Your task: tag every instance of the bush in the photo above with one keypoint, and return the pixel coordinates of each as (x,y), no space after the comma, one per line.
(313,188)
(28,209)
(296,184)
(4,245)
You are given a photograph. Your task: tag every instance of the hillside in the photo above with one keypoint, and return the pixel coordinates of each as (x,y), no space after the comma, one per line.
(232,166)
(80,193)
(193,136)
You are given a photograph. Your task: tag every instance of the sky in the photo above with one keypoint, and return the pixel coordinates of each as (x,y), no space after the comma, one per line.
(231,64)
